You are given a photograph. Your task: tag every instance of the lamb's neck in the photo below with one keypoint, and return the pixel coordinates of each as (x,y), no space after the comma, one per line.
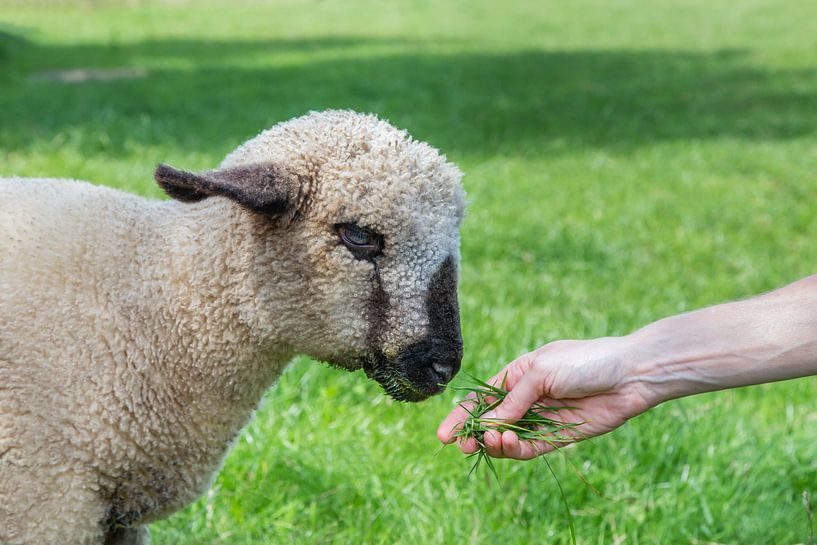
(213,351)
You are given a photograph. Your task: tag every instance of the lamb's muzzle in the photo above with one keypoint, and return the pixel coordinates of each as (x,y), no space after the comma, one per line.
(424,367)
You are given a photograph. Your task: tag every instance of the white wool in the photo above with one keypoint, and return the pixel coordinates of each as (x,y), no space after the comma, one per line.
(137,336)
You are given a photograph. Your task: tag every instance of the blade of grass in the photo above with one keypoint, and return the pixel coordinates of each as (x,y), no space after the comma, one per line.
(569,515)
(532,427)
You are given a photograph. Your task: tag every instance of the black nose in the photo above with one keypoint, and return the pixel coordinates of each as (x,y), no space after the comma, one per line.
(430,364)
(448,368)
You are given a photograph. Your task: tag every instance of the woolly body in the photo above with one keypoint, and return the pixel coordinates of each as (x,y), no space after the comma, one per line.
(137,336)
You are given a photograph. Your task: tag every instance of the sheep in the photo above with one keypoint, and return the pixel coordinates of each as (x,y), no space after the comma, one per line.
(137,336)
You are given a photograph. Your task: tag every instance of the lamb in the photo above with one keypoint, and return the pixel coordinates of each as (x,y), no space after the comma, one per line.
(138,336)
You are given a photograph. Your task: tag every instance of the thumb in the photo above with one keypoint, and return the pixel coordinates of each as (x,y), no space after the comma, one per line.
(524,394)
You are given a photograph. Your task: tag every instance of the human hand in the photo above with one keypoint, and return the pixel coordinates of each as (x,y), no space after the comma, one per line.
(591,377)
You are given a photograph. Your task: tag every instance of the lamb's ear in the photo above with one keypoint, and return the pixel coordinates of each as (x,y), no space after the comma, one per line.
(264,188)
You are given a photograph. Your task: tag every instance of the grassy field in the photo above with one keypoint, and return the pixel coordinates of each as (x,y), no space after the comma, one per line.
(624,161)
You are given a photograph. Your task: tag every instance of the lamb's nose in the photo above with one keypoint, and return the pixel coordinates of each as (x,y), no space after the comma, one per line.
(447,369)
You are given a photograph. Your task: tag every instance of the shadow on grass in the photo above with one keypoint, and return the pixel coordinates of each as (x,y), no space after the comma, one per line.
(9,41)
(207,96)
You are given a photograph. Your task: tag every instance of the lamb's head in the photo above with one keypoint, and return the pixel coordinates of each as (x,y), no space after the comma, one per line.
(356,227)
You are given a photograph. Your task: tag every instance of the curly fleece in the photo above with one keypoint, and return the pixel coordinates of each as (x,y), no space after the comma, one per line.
(138,336)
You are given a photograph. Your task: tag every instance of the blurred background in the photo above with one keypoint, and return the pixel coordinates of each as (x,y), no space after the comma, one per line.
(624,161)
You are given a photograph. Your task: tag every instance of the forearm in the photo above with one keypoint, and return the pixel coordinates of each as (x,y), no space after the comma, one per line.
(767,338)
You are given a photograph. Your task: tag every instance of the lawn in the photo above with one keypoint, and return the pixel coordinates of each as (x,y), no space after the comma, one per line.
(624,161)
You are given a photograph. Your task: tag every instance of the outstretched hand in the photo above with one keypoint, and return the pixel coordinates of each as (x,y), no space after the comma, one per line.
(585,376)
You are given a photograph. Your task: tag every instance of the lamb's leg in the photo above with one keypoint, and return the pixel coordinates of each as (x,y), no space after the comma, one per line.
(138,535)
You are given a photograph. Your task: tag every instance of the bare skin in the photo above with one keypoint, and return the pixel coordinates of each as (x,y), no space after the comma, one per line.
(609,380)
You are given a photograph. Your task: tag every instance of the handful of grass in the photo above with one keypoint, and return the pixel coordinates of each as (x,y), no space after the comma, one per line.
(483,397)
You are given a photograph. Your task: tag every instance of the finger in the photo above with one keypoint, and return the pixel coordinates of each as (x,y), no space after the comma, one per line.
(468,445)
(511,446)
(453,422)
(523,395)
(493,443)
(531,449)
(508,445)
(446,431)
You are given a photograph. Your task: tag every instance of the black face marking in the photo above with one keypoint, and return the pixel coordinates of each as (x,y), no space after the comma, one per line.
(378,308)
(422,368)
(378,367)
(264,188)
(443,308)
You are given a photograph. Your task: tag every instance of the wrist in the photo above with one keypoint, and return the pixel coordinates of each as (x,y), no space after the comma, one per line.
(683,355)
(646,370)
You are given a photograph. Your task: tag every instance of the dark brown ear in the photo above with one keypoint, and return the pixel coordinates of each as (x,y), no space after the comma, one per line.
(264,188)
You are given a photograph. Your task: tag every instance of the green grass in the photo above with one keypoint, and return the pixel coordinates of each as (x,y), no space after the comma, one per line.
(624,161)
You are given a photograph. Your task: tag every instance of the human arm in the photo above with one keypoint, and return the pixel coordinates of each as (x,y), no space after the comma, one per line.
(609,380)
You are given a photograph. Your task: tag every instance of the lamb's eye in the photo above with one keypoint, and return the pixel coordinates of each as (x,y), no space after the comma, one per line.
(356,236)
(362,242)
